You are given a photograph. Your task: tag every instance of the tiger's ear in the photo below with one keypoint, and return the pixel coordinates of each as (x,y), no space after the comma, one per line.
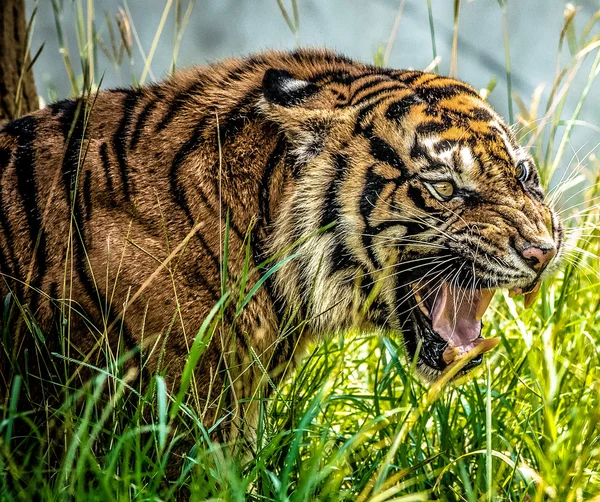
(280,88)
(306,125)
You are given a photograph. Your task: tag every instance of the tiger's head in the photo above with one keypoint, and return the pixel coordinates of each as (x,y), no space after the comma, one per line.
(434,202)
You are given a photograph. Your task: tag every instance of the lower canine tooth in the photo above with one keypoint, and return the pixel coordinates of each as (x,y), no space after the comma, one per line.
(420,302)
(530,296)
(450,354)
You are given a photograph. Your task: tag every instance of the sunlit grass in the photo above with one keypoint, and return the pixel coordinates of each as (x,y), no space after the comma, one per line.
(353,422)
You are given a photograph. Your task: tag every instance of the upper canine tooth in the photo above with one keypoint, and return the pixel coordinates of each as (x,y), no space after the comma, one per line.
(420,302)
(530,296)
(486,298)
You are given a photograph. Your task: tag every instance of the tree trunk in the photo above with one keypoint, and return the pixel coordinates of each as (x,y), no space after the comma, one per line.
(17,87)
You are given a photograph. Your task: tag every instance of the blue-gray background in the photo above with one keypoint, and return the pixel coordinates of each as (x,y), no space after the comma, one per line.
(222,28)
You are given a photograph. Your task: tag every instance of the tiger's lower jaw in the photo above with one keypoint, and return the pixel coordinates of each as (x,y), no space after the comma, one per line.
(429,350)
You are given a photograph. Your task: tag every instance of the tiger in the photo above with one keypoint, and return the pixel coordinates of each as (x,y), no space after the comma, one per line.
(326,194)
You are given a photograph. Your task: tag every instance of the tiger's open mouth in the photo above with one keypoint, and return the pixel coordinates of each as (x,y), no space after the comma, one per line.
(455,315)
(450,319)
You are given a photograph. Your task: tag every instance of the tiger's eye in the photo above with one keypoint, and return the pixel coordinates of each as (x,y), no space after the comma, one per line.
(444,188)
(522,171)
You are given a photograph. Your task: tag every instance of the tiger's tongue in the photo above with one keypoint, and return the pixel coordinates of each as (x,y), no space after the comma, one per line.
(456,314)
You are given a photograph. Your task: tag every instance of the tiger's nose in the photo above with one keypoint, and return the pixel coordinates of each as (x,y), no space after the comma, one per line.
(539,255)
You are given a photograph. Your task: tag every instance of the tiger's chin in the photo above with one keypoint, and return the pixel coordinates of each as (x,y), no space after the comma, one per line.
(442,326)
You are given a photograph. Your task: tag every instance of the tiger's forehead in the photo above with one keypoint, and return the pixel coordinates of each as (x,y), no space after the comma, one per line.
(459,136)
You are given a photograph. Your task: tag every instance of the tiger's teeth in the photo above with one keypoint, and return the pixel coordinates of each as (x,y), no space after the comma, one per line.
(420,302)
(530,296)
(450,353)
(484,303)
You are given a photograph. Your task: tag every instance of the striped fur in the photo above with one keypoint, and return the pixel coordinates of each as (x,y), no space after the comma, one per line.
(97,192)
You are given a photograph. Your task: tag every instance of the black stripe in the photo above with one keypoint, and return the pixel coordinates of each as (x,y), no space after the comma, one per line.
(383,152)
(367,129)
(341,257)
(265,184)
(87,194)
(411,228)
(341,98)
(25,131)
(367,240)
(5,158)
(374,184)
(179,195)
(120,139)
(53,291)
(331,205)
(233,124)
(119,90)
(141,122)
(73,125)
(382,91)
(433,95)
(509,134)
(407,77)
(71,118)
(492,159)
(471,198)
(481,115)
(416,196)
(399,109)
(468,233)
(264,221)
(235,119)
(107,176)
(178,190)
(443,123)
(372,81)
(418,151)
(466,273)
(230,124)
(189,147)
(478,244)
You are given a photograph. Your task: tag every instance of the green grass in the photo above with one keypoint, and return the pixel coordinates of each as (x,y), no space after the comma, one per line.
(353,422)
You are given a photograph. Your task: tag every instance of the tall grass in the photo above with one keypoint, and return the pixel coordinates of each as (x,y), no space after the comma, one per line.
(352,422)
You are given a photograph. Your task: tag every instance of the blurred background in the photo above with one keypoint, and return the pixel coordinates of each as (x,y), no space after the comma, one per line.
(163,34)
